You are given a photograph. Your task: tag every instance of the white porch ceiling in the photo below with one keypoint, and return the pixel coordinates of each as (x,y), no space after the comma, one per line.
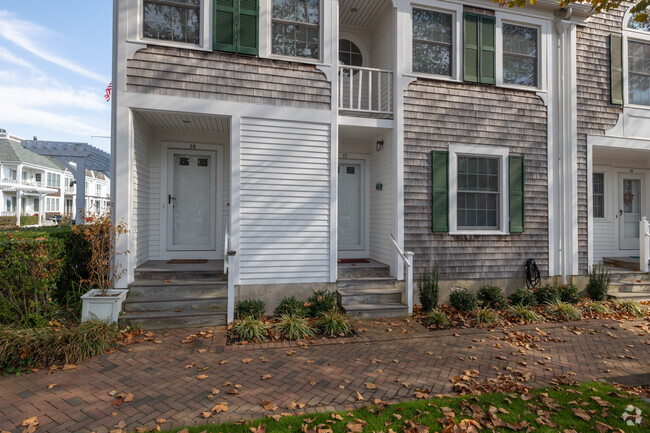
(185,122)
(639,156)
(368,13)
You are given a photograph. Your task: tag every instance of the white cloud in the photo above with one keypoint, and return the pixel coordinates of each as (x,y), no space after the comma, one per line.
(28,36)
(8,56)
(47,95)
(45,119)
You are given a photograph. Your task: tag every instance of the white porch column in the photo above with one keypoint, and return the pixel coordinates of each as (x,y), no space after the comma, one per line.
(41,208)
(19,194)
(644,247)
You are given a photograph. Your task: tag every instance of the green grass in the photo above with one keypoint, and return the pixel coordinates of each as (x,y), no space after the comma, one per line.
(427,412)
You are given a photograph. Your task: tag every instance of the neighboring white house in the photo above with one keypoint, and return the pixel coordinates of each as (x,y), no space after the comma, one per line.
(32,184)
(288,137)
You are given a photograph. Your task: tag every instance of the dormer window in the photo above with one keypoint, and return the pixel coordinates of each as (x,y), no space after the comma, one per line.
(172,20)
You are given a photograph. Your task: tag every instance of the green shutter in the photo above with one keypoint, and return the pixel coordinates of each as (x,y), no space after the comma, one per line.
(616,68)
(487,52)
(224,25)
(516,188)
(440,190)
(248,28)
(470,47)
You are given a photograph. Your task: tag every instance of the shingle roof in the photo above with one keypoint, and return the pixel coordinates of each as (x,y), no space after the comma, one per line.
(11,151)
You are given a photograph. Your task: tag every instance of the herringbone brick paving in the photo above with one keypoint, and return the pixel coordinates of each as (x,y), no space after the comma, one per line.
(397,356)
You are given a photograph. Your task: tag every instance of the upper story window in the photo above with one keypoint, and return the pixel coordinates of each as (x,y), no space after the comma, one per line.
(172,20)
(519,55)
(432,42)
(295,28)
(349,53)
(638,76)
(630,63)
(54,180)
(633,24)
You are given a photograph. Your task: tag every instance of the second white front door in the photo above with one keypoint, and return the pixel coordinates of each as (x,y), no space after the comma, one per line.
(191,210)
(352,209)
(630,209)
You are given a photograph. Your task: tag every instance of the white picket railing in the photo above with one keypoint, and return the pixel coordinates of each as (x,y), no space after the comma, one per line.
(365,90)
(644,244)
(8,214)
(407,258)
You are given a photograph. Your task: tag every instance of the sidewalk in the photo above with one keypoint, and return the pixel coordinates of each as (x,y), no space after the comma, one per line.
(397,356)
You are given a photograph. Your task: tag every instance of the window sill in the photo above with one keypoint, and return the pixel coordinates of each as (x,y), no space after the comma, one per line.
(637,107)
(169,44)
(478,233)
(432,77)
(524,88)
(315,62)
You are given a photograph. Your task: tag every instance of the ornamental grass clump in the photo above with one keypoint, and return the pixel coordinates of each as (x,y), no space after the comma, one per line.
(437,318)
(333,323)
(428,289)
(523,297)
(290,305)
(563,310)
(599,281)
(462,300)
(491,296)
(254,308)
(598,307)
(486,316)
(321,301)
(294,327)
(250,328)
(629,307)
(523,313)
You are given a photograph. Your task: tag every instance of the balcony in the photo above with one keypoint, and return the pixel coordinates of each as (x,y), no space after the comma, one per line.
(70,190)
(30,182)
(366,91)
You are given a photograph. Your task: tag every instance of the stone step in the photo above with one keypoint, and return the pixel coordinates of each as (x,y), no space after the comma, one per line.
(153,287)
(362,270)
(169,320)
(196,301)
(634,296)
(173,275)
(369,296)
(367,283)
(376,310)
(631,287)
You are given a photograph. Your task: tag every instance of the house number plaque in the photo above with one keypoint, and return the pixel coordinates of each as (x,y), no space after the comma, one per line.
(192,146)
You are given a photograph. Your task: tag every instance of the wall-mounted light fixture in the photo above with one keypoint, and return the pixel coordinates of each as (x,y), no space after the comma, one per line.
(380,145)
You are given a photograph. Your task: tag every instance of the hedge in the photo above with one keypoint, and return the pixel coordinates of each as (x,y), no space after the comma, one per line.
(25,220)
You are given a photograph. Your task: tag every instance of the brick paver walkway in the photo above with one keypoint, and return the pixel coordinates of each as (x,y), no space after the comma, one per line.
(397,356)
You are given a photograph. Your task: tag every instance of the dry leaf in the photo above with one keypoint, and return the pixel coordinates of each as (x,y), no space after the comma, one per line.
(359,396)
(221,407)
(268,405)
(246,360)
(161,421)
(51,385)
(202,376)
(371,386)
(67,367)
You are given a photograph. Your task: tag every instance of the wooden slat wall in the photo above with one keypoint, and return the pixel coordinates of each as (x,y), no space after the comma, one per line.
(595,114)
(217,75)
(285,202)
(437,114)
(141,171)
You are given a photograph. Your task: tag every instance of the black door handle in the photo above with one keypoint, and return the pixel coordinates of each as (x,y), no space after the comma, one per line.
(170,198)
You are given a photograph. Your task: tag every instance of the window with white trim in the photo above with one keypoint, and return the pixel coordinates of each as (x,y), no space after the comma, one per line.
(636,40)
(520,50)
(295,28)
(433,47)
(52,204)
(478,193)
(598,195)
(54,180)
(172,20)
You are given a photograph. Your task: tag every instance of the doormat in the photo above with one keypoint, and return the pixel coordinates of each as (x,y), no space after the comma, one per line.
(353,261)
(185,261)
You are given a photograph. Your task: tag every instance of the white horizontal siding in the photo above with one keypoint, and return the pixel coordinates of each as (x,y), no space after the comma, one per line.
(604,241)
(284,202)
(141,187)
(381,203)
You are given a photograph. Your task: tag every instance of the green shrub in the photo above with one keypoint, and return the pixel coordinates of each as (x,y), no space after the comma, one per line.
(248,328)
(333,323)
(428,288)
(436,317)
(568,293)
(254,308)
(597,307)
(462,300)
(546,294)
(563,310)
(44,346)
(294,327)
(523,297)
(523,312)
(29,270)
(599,280)
(629,307)
(486,315)
(491,296)
(321,301)
(290,305)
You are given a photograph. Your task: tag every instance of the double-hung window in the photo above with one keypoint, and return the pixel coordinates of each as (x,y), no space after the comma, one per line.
(478,193)
(598,196)
(295,28)
(520,50)
(630,63)
(54,180)
(638,74)
(172,20)
(433,48)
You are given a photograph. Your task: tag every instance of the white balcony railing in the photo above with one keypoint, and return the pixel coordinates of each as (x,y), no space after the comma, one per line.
(69,190)
(644,244)
(365,90)
(8,214)
(30,182)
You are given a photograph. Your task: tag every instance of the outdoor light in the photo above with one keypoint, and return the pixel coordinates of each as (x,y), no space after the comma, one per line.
(380,145)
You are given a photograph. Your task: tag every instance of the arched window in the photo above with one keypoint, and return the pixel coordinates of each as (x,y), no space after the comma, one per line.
(349,53)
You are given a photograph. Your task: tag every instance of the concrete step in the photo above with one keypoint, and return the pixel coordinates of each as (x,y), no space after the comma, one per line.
(158,287)
(362,270)
(169,320)
(631,287)
(172,275)
(376,310)
(367,283)
(634,296)
(196,301)
(369,296)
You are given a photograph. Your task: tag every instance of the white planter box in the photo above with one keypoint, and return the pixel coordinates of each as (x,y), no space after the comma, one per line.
(104,308)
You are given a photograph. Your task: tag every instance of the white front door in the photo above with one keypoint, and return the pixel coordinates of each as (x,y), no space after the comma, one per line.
(352,209)
(630,209)
(191,199)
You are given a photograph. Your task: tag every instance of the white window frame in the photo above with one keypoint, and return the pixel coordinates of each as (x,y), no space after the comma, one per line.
(544,36)
(135,28)
(456,10)
(604,174)
(266,35)
(456,150)
(635,36)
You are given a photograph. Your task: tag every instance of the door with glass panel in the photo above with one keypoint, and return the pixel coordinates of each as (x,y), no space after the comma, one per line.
(191,198)
(351,220)
(631,205)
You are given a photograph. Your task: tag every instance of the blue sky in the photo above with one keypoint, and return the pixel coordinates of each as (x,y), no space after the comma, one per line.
(55,65)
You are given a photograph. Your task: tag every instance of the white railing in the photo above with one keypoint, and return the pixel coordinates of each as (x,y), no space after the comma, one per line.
(407,258)
(11,181)
(644,244)
(365,90)
(30,182)
(8,214)
(69,190)
(226,248)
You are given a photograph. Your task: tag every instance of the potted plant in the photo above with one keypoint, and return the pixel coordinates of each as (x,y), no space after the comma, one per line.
(102,301)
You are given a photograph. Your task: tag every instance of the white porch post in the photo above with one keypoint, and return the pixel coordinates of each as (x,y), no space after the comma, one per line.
(235,185)
(19,194)
(644,244)
(409,280)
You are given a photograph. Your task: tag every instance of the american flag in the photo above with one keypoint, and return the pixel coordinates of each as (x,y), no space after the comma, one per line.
(107,96)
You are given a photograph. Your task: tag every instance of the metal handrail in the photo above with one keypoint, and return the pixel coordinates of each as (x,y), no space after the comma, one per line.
(407,258)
